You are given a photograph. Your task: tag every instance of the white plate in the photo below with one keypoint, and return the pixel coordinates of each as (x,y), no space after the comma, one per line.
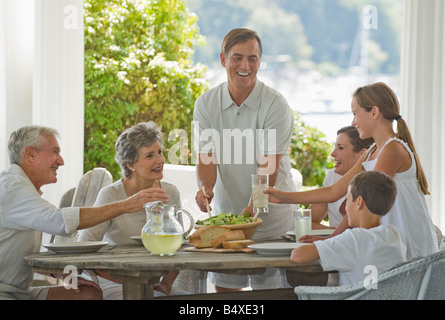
(276,248)
(318,232)
(75,247)
(137,238)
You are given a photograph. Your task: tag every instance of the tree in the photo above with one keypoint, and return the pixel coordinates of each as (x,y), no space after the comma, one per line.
(137,68)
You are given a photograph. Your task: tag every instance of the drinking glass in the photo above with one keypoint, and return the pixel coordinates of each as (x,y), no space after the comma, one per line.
(260,182)
(303,223)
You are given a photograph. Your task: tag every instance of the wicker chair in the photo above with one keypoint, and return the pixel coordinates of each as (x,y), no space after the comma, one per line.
(421,278)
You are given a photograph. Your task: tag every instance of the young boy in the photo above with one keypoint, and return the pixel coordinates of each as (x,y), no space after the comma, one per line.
(370,196)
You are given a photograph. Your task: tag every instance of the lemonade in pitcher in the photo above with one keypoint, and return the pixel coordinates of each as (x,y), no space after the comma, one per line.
(162,235)
(162,244)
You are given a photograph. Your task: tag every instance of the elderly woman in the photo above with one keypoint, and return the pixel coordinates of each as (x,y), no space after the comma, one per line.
(139,154)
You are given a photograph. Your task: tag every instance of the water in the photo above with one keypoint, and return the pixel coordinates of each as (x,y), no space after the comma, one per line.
(260,200)
(303,226)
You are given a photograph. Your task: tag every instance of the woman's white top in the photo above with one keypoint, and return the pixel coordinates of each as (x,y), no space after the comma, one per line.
(118,231)
(334,214)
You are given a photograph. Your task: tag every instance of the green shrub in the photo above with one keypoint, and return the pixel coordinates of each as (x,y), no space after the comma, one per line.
(138,68)
(310,153)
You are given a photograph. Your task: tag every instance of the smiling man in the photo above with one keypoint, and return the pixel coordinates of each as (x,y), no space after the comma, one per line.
(34,154)
(243,112)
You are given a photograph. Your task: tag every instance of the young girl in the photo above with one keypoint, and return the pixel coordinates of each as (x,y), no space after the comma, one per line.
(375,107)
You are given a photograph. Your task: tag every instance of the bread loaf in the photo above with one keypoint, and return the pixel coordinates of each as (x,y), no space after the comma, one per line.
(203,237)
(232,235)
(237,244)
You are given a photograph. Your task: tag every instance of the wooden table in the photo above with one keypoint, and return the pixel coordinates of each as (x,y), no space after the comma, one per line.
(139,270)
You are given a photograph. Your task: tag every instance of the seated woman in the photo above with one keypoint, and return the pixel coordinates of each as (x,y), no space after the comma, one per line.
(139,154)
(348,149)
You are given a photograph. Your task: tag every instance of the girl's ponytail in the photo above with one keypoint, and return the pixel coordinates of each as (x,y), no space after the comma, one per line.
(404,134)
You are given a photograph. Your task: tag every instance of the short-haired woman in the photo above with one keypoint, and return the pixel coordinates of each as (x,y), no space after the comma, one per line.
(139,154)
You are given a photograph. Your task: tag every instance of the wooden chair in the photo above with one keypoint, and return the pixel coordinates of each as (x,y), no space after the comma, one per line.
(90,185)
(67,198)
(85,194)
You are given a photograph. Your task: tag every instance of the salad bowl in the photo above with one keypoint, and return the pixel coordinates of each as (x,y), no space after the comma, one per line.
(233,222)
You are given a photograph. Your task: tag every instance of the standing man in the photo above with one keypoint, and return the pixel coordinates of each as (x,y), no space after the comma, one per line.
(34,154)
(244,128)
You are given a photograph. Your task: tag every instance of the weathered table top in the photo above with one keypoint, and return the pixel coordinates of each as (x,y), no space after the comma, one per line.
(138,269)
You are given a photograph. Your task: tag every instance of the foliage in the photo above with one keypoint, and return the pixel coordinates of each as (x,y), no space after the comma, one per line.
(310,153)
(137,68)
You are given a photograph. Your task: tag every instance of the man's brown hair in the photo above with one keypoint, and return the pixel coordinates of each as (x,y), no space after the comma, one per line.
(239,35)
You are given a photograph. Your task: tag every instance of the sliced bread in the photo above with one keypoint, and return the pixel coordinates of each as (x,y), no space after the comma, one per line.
(231,235)
(237,244)
(203,237)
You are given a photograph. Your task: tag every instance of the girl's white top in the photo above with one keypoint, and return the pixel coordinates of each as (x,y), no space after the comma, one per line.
(409,212)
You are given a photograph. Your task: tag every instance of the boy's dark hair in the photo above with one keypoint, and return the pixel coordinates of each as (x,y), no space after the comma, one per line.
(377,189)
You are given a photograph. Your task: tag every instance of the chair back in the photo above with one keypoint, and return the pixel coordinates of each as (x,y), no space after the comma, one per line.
(183,177)
(67,198)
(436,287)
(90,185)
(85,194)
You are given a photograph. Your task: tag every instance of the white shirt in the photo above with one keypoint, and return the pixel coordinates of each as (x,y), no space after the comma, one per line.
(219,117)
(350,252)
(410,212)
(24,215)
(119,230)
(335,216)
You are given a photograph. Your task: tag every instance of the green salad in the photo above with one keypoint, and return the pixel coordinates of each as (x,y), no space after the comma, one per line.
(225,219)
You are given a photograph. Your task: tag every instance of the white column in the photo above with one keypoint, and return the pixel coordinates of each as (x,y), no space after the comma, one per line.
(16,69)
(58,97)
(423,93)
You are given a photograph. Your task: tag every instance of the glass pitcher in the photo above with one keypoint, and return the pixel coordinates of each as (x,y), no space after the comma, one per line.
(163,234)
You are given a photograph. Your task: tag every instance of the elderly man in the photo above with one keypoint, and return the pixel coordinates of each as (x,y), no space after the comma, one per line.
(35,157)
(241,111)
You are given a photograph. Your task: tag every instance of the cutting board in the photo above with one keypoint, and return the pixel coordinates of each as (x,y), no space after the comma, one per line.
(193,249)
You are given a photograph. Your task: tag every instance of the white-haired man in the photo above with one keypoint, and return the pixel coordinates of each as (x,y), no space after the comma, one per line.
(34,154)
